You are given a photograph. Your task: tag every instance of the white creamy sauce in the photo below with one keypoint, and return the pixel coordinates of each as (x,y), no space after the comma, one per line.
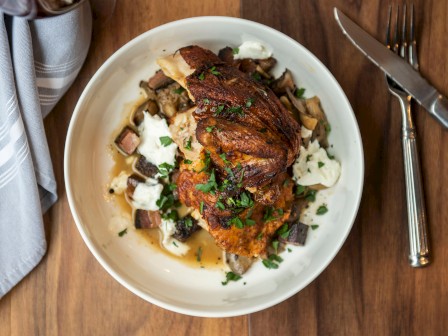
(119,183)
(168,227)
(146,195)
(151,130)
(119,222)
(253,49)
(313,166)
(305,133)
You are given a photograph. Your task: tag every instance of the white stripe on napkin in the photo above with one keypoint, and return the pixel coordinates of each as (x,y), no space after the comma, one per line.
(56,83)
(15,133)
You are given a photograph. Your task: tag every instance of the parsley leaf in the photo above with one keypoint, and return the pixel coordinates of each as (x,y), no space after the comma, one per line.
(201,76)
(214,71)
(237,222)
(235,50)
(199,254)
(219,109)
(314,227)
(237,110)
(187,144)
(166,141)
(186,161)
(179,90)
(230,276)
(210,186)
(320,164)
(299,92)
(209,128)
(201,207)
(322,210)
(122,233)
(165,169)
(249,102)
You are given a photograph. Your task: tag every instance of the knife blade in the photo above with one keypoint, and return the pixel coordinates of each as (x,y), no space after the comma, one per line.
(393,65)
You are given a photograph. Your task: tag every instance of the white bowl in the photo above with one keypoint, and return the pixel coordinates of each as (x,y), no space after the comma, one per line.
(152,275)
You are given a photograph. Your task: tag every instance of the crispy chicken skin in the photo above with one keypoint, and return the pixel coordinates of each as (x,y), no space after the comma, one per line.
(251,140)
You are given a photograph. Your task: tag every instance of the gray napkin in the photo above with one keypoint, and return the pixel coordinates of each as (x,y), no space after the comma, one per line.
(39,60)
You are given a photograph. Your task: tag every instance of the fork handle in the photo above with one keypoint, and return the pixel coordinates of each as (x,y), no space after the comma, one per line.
(418,232)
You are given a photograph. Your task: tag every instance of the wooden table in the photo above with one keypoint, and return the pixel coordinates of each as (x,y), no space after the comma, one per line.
(368,289)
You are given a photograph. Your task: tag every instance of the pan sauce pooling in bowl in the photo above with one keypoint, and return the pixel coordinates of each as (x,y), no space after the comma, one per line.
(221,147)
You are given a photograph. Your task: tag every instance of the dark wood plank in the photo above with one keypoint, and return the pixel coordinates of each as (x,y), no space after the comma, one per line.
(369,289)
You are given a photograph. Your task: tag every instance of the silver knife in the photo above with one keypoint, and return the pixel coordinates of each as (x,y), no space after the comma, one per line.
(397,68)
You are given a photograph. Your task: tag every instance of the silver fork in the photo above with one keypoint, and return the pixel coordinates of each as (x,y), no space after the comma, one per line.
(405,46)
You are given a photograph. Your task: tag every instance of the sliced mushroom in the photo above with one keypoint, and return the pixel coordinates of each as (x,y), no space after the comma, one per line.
(296,209)
(145,219)
(127,141)
(267,64)
(148,106)
(226,54)
(150,94)
(321,130)
(159,80)
(297,234)
(284,81)
(185,227)
(132,182)
(238,264)
(144,167)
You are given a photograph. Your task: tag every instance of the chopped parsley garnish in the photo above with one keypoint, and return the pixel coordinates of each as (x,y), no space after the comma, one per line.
(275,245)
(199,254)
(283,231)
(166,200)
(311,195)
(271,214)
(237,222)
(188,222)
(201,76)
(286,182)
(327,128)
(322,210)
(249,102)
(186,161)
(229,171)
(308,157)
(237,110)
(331,157)
(201,207)
(289,250)
(173,215)
(250,222)
(206,101)
(300,189)
(235,50)
(166,141)
(300,92)
(259,236)
(214,71)
(179,90)
(224,158)
(122,233)
(210,186)
(174,243)
(230,276)
(165,169)
(256,75)
(206,162)
(270,264)
(220,205)
(219,109)
(314,227)
(320,164)
(187,144)
(209,128)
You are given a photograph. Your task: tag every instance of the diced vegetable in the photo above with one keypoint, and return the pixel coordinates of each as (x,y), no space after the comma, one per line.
(127,141)
(144,219)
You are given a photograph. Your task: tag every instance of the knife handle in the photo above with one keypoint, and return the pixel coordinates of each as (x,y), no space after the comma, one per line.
(418,233)
(439,109)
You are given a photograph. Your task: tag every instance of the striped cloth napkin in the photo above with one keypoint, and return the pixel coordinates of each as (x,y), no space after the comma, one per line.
(39,60)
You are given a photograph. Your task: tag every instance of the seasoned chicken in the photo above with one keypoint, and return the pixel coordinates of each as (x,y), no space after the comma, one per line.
(249,141)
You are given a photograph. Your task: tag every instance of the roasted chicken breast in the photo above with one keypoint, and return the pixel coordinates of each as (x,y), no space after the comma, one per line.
(249,140)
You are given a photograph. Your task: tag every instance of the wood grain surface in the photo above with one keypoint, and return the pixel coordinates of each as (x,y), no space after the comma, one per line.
(368,289)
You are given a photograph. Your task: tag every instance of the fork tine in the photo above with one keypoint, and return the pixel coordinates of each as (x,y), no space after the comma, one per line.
(389,17)
(413,60)
(396,41)
(403,45)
